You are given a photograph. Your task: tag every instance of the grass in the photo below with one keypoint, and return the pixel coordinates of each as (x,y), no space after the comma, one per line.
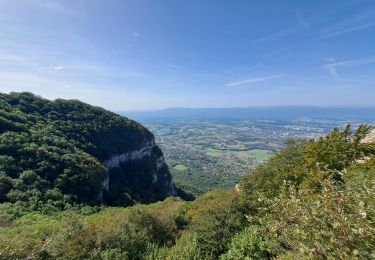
(180,167)
(245,155)
(257,154)
(214,153)
(261,155)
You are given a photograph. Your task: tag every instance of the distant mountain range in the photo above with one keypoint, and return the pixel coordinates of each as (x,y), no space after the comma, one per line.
(278,112)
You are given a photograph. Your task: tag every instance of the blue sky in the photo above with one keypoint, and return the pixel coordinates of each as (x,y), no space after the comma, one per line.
(138,54)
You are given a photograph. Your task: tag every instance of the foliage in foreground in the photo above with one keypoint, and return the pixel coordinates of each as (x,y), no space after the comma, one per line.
(315,199)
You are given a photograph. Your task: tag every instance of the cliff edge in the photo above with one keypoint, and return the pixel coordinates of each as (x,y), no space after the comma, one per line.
(66,151)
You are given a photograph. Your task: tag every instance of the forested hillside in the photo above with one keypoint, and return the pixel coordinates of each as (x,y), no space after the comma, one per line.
(55,154)
(315,199)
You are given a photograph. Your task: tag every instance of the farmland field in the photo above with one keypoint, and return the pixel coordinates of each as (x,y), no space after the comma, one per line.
(180,167)
(205,153)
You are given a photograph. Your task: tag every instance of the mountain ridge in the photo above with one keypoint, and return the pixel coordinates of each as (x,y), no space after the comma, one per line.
(80,153)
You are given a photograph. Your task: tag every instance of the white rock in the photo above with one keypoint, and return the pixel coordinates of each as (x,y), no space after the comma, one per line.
(133,155)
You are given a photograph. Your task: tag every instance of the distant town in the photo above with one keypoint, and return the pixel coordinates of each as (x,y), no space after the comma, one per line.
(205,153)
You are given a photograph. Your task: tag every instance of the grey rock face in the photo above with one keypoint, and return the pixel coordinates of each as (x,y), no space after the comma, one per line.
(144,170)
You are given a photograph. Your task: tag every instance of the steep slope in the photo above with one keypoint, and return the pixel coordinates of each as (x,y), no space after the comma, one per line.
(66,151)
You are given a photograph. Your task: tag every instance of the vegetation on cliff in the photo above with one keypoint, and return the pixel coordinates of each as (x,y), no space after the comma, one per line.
(52,154)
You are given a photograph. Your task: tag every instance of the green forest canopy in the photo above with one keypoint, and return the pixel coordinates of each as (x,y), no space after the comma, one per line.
(51,151)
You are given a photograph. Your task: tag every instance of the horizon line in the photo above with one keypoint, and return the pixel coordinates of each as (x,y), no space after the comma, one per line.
(252,107)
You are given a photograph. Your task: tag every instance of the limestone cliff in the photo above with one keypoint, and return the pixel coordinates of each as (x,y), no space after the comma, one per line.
(140,174)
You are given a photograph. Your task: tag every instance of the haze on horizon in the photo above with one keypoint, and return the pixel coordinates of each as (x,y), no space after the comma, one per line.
(142,55)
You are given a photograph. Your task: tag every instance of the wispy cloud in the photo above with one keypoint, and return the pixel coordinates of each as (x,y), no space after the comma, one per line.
(301,20)
(255,80)
(15,59)
(359,21)
(334,66)
(333,71)
(51,5)
(301,26)
(114,96)
(58,68)
(58,7)
(173,66)
(349,30)
(44,56)
(278,35)
(42,67)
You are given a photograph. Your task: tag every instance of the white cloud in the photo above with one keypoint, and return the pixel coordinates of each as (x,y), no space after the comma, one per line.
(173,66)
(58,68)
(333,67)
(349,30)
(333,71)
(351,63)
(135,34)
(255,80)
(284,33)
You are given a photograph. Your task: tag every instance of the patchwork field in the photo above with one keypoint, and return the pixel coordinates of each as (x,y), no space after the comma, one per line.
(180,167)
(204,153)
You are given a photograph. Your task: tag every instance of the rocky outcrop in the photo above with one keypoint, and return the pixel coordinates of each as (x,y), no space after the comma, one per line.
(140,174)
(370,138)
(139,154)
